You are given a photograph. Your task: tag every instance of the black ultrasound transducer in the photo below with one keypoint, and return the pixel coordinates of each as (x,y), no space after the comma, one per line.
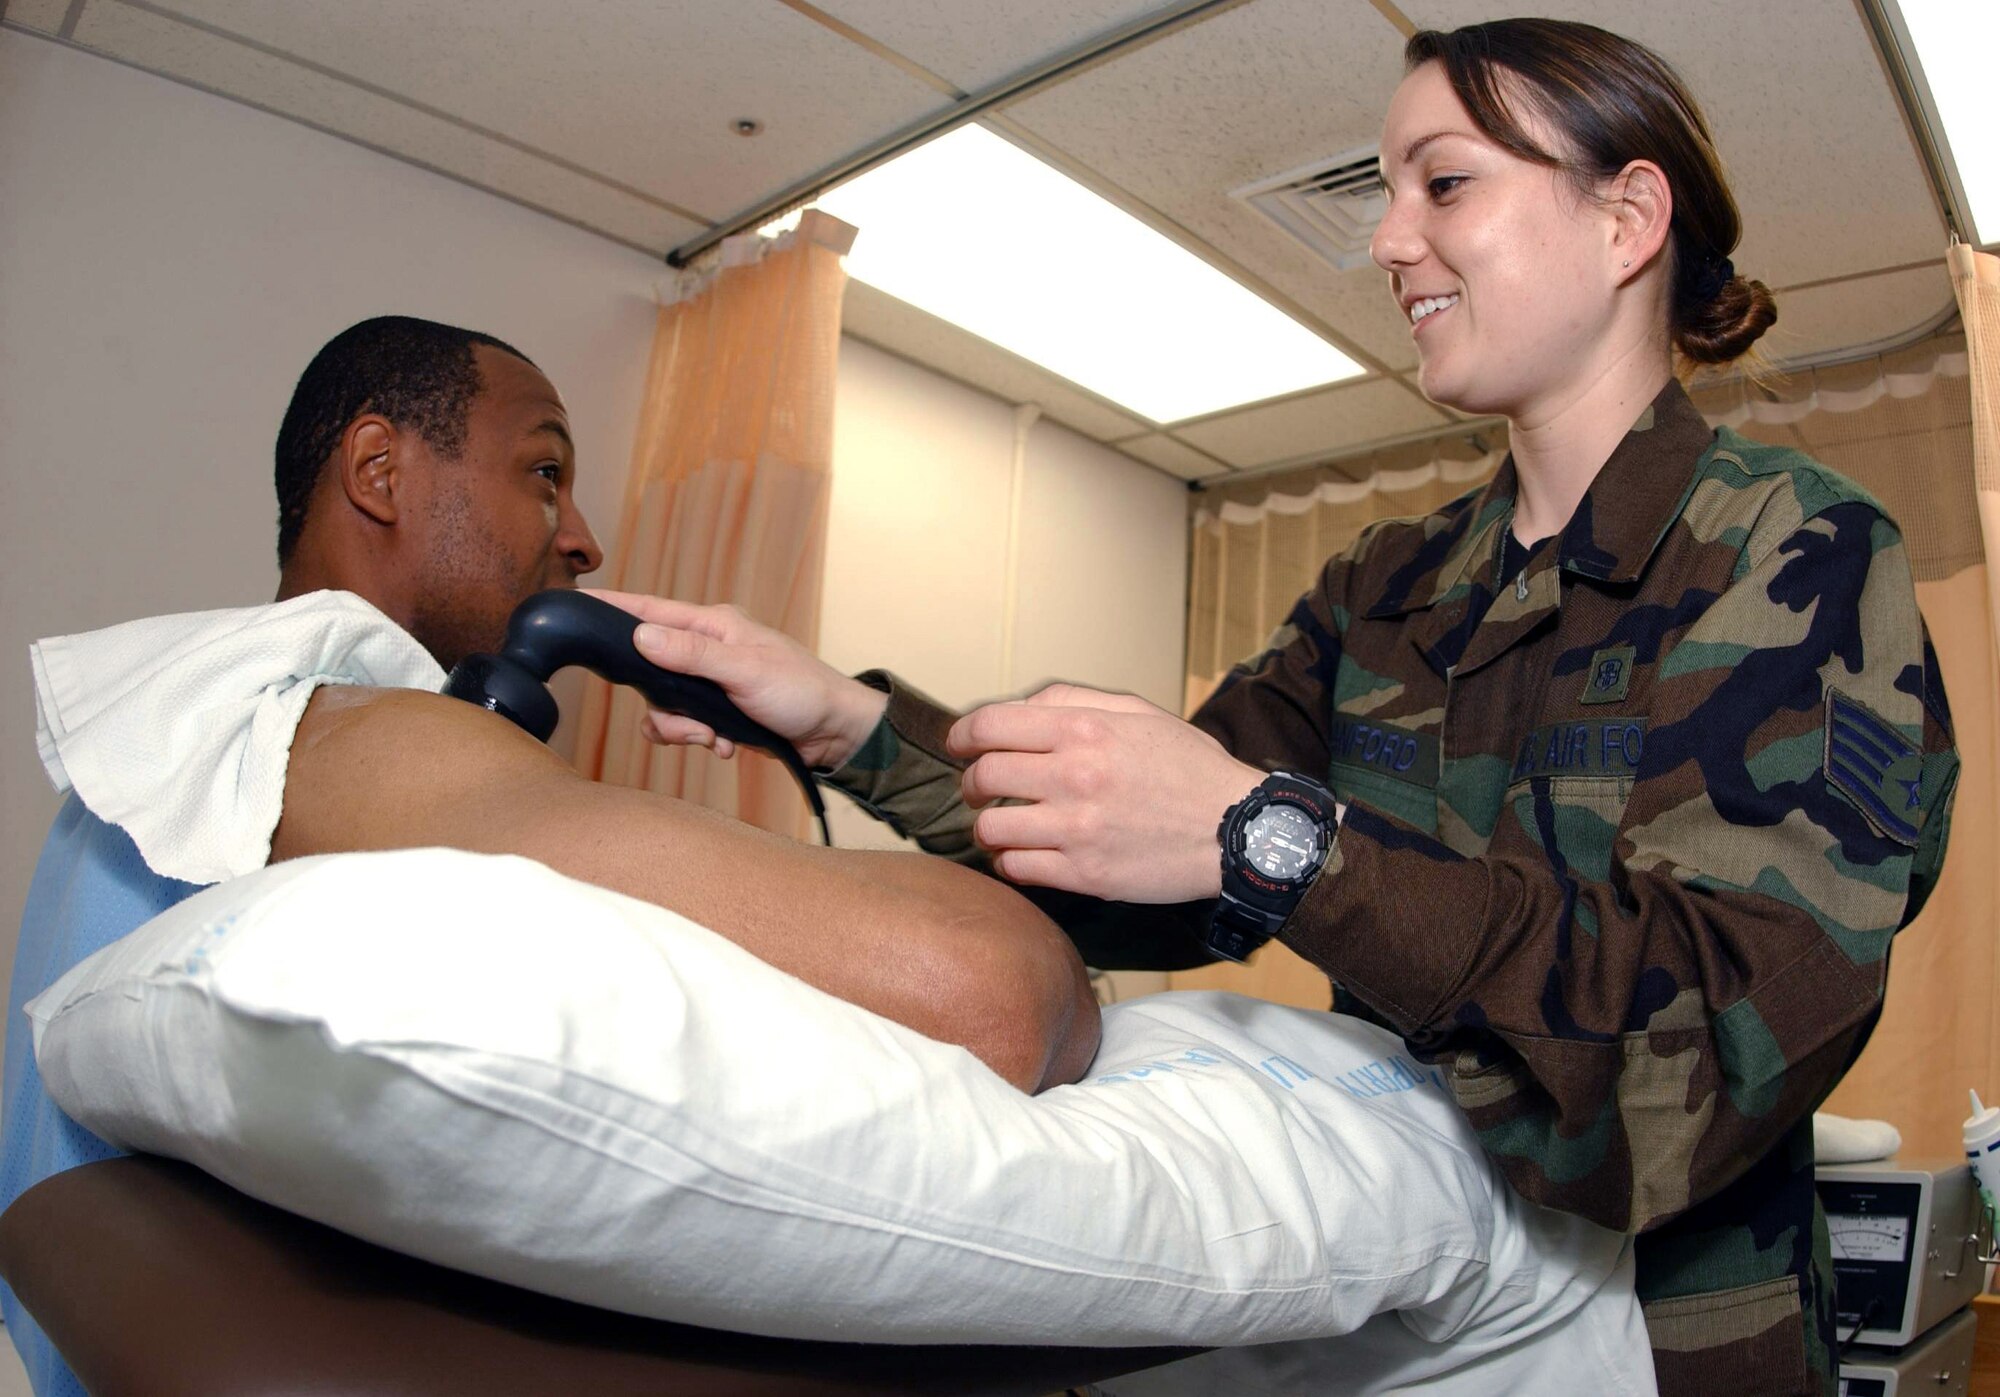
(556,629)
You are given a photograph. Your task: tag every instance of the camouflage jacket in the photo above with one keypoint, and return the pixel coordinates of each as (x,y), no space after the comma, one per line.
(1626,840)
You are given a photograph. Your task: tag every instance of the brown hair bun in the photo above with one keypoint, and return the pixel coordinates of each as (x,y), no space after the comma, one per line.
(1724,328)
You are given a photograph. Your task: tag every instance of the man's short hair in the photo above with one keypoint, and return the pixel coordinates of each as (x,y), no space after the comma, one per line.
(419,374)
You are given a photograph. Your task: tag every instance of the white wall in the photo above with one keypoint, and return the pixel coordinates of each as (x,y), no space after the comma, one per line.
(170,260)
(917,547)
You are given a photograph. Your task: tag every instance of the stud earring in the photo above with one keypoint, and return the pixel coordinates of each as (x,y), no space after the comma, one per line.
(1628,262)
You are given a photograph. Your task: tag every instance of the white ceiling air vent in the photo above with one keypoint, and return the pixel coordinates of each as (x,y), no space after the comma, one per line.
(1332,206)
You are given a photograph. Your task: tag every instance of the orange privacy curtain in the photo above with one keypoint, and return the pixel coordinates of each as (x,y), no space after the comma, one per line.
(727,497)
(1940,1029)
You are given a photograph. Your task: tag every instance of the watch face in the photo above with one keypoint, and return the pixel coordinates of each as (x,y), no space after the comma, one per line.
(1281,842)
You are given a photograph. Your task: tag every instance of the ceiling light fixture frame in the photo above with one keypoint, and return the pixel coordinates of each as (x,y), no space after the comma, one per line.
(1898,52)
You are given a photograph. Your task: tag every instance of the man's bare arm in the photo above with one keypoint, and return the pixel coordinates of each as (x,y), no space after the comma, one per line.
(936,947)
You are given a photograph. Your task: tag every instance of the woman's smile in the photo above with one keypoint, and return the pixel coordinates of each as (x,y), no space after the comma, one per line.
(1425,309)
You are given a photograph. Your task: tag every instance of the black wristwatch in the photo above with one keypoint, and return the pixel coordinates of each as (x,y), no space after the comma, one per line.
(1274,842)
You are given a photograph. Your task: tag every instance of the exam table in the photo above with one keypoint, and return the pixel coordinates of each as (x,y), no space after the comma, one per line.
(155,1280)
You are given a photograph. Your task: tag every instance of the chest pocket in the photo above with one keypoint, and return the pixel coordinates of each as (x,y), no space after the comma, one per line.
(1570,785)
(1387,767)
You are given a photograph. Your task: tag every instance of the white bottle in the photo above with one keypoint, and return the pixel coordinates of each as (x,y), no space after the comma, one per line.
(1982,1152)
(1982,1145)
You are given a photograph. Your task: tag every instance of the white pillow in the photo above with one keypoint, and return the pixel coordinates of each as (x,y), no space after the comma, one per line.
(476,1061)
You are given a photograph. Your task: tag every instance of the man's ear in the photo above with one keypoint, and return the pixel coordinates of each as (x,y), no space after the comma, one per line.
(1641,205)
(370,471)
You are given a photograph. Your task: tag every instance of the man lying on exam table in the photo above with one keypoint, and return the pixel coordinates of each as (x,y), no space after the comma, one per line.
(1230,1173)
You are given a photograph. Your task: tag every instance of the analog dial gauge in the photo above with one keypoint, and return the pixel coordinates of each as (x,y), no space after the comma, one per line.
(1857,1238)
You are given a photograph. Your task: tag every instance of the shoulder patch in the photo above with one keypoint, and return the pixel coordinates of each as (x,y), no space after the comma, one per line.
(1878,769)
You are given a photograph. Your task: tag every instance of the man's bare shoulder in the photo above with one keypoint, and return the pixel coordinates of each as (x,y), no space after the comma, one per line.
(351,721)
(386,768)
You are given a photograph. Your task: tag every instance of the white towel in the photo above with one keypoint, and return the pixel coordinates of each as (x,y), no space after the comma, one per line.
(178,729)
(1838,1140)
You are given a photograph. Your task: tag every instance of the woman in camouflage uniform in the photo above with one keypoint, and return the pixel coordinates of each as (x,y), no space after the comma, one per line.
(1640,751)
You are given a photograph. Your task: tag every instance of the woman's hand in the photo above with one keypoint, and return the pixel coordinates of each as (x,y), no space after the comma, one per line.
(775,680)
(1123,798)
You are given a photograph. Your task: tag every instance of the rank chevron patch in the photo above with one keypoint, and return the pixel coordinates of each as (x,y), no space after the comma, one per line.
(1878,769)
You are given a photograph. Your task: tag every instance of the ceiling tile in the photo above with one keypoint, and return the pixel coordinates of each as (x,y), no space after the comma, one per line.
(977,46)
(1253,92)
(901,328)
(1817,151)
(1174,457)
(165,46)
(1821,161)
(630,102)
(1315,424)
(640,92)
(43,15)
(1847,315)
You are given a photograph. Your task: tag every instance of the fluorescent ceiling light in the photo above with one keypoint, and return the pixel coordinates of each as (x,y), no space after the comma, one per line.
(1955,43)
(976,231)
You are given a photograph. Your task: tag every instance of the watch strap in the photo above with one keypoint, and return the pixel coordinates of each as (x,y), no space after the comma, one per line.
(1236,929)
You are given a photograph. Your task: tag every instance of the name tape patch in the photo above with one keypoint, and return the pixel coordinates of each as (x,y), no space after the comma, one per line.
(1385,748)
(1880,771)
(1604,748)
